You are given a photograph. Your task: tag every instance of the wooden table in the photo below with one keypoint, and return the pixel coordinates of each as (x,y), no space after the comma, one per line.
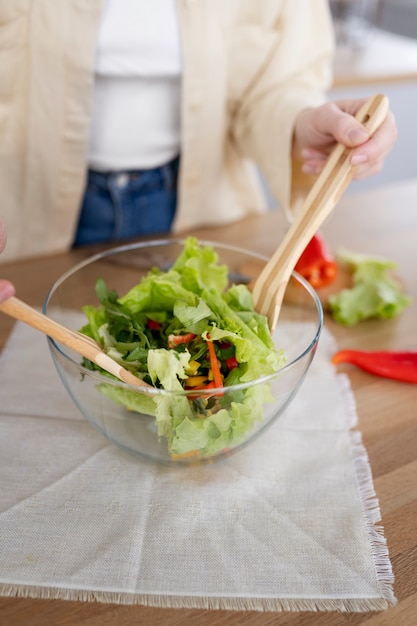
(382,222)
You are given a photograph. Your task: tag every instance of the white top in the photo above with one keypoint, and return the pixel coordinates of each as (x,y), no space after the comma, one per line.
(136,104)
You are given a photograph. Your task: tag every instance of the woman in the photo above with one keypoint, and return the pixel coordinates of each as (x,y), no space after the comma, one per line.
(119,124)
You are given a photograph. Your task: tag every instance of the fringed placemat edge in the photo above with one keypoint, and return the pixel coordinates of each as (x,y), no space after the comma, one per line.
(258,604)
(372,514)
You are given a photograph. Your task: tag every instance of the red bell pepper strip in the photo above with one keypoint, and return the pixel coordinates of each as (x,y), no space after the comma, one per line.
(203,387)
(317,264)
(176,340)
(215,368)
(400,366)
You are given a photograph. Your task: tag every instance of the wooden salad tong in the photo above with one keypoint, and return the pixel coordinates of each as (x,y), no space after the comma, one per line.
(269,287)
(83,345)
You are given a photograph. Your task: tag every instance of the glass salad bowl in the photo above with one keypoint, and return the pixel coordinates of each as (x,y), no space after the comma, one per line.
(179,314)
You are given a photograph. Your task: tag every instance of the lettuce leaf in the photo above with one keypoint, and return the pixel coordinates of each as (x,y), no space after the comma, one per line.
(376,293)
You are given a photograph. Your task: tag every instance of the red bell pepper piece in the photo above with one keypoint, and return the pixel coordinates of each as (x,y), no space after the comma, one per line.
(231,363)
(176,340)
(210,385)
(153,325)
(317,264)
(396,365)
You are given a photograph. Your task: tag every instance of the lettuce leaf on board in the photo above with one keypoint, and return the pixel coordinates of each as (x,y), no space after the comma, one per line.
(376,292)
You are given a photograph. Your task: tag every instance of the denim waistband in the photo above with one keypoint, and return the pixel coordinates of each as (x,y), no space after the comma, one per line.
(167,174)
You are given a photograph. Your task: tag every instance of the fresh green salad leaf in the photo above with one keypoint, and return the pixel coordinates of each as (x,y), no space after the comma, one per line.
(376,293)
(160,331)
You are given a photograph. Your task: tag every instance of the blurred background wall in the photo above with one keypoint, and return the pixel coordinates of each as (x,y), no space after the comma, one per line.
(384,61)
(399,16)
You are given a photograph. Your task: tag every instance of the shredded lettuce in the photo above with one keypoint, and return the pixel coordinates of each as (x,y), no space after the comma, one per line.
(375,293)
(191,297)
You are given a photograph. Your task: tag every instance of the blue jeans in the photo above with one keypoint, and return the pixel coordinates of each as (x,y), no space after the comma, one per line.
(124,205)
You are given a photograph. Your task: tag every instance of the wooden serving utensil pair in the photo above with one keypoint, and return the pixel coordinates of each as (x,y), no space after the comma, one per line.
(269,287)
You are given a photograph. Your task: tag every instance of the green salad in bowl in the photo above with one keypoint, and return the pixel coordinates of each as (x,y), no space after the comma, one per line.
(180,316)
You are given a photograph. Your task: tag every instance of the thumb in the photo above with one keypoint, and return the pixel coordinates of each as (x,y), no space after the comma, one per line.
(346,129)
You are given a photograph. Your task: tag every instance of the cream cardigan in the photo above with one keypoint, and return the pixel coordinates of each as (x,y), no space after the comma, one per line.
(249,67)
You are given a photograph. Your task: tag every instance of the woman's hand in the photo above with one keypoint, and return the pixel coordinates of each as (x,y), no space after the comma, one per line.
(317,130)
(6,287)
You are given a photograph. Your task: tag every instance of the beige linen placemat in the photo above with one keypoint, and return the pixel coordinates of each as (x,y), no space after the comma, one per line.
(289,523)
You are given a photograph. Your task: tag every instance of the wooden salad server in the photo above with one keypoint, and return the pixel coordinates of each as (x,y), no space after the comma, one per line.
(269,286)
(83,345)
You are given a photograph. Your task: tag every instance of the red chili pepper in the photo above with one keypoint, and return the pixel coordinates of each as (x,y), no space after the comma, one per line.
(153,325)
(396,365)
(317,264)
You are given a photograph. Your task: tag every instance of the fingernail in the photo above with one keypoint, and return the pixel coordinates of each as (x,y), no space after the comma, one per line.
(358,135)
(358,158)
(306,153)
(308,169)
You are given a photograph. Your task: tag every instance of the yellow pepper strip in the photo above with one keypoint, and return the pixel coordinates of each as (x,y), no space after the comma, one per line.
(193,368)
(194,381)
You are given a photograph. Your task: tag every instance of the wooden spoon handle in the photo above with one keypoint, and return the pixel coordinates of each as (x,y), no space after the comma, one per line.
(269,287)
(78,342)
